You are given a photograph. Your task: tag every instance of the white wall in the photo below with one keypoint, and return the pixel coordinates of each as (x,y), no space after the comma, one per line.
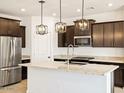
(26,21)
(108,16)
(41,44)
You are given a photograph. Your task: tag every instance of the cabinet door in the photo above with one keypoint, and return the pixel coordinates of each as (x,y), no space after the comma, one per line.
(97,35)
(61,39)
(14,28)
(108,34)
(119,77)
(119,34)
(22,31)
(70,35)
(3,27)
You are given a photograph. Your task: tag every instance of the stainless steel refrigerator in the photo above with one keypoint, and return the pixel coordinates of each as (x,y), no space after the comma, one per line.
(10,57)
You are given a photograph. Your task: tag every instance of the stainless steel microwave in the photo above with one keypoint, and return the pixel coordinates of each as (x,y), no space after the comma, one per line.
(82,41)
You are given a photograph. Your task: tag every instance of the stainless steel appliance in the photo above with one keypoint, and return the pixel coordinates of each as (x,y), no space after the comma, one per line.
(83,41)
(10,57)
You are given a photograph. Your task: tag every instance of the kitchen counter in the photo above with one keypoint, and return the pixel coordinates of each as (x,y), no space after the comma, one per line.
(25,57)
(88,69)
(116,60)
(55,77)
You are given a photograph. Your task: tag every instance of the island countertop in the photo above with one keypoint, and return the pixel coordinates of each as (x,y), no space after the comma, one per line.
(88,69)
(106,59)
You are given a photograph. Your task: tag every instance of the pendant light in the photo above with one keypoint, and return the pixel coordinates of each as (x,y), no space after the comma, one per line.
(42,29)
(82,24)
(60,27)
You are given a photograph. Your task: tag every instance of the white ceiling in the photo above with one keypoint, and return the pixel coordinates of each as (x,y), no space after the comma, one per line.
(69,7)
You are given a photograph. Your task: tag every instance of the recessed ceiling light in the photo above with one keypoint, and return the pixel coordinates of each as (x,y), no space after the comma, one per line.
(23,10)
(110,4)
(78,10)
(54,14)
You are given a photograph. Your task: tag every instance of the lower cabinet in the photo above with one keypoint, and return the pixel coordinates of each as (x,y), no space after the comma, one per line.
(119,77)
(24,69)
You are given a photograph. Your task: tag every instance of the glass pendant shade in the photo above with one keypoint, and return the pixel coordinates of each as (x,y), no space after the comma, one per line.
(42,29)
(60,27)
(82,24)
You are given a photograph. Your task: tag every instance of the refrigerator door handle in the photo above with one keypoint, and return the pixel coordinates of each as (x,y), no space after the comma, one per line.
(10,68)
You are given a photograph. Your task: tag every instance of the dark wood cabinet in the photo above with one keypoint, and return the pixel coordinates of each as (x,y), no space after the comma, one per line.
(108,34)
(13,28)
(69,36)
(23,35)
(119,34)
(3,27)
(119,77)
(9,27)
(61,39)
(97,35)
(24,69)
(64,39)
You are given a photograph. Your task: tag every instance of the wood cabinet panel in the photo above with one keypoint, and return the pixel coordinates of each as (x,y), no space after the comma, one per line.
(9,27)
(13,28)
(64,39)
(108,35)
(70,35)
(97,35)
(119,77)
(23,35)
(119,34)
(3,27)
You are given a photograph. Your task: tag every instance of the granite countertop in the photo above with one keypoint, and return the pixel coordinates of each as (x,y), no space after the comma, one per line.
(96,58)
(25,57)
(88,69)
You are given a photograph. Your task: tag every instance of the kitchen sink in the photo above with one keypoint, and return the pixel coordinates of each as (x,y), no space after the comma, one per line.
(80,60)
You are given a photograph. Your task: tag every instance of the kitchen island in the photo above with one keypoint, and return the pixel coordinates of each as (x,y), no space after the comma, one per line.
(53,77)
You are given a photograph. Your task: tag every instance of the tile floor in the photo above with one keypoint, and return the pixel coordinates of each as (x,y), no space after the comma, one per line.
(21,88)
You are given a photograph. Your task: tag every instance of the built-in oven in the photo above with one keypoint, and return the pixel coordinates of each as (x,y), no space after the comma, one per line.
(83,41)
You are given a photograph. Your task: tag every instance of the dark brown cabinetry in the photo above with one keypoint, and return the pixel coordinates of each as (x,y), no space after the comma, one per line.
(97,35)
(24,69)
(119,34)
(3,27)
(108,34)
(9,27)
(22,31)
(64,39)
(119,77)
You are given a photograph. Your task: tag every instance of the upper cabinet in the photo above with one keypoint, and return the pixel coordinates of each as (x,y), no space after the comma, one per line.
(108,34)
(9,27)
(97,35)
(119,34)
(4,27)
(64,39)
(23,35)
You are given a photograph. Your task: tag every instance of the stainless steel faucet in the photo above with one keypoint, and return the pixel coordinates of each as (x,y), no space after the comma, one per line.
(68,54)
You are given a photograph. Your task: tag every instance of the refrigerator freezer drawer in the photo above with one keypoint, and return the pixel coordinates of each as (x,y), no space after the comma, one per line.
(10,75)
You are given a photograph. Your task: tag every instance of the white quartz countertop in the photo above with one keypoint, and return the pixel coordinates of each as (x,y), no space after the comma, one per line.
(88,69)
(96,58)
(25,57)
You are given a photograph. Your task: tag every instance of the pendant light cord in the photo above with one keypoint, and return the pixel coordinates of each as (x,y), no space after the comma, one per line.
(82,8)
(60,11)
(41,10)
